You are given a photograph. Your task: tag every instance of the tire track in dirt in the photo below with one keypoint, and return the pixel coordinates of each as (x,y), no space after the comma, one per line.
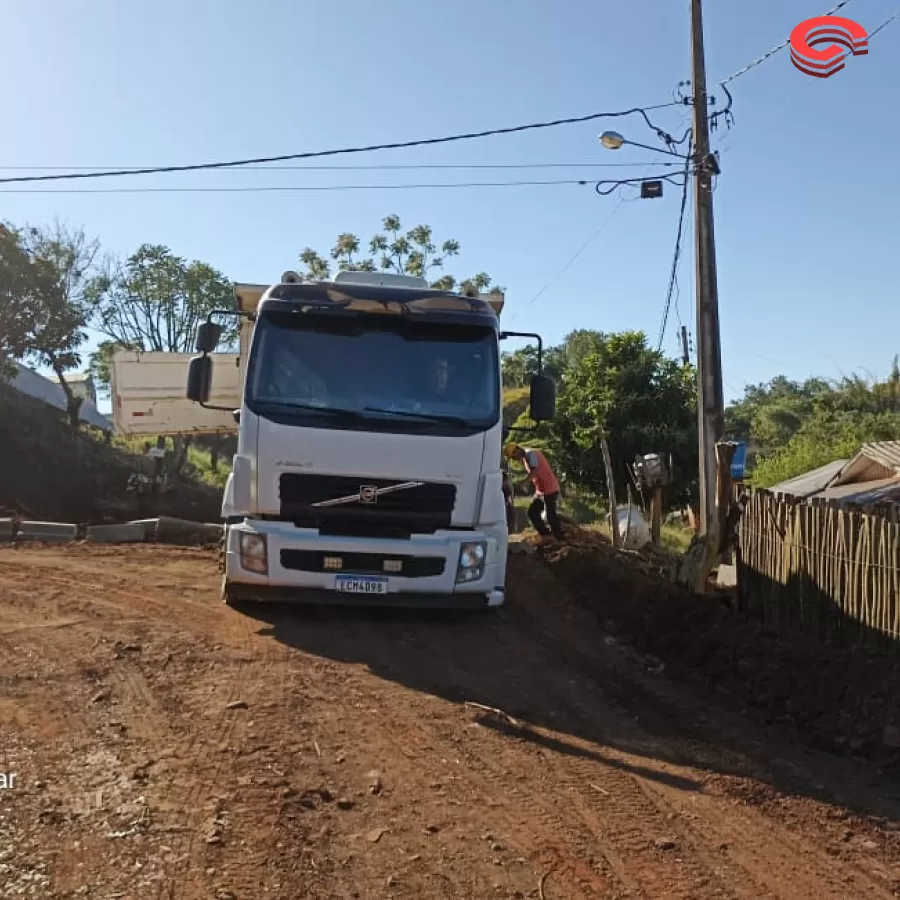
(413,736)
(773,857)
(581,792)
(112,595)
(260,669)
(150,721)
(634,832)
(97,593)
(619,828)
(227,724)
(747,840)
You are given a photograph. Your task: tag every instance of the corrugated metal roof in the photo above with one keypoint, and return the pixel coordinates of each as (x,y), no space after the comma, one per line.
(885,453)
(810,482)
(27,382)
(871,462)
(881,491)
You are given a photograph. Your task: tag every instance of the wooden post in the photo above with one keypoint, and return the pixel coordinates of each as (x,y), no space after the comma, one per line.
(611,485)
(705,550)
(656,516)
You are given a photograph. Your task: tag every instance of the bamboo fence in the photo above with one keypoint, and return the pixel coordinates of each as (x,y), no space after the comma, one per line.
(830,571)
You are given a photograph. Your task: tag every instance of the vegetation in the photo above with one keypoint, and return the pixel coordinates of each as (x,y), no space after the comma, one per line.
(202,456)
(43,311)
(413,252)
(154,301)
(54,286)
(612,384)
(794,427)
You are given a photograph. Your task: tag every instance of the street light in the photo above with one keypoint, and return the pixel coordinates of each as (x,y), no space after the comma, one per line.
(612,140)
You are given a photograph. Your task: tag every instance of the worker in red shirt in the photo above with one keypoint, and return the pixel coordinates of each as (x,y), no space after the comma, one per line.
(546,489)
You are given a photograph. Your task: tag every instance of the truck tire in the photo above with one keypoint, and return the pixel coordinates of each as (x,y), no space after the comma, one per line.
(228,597)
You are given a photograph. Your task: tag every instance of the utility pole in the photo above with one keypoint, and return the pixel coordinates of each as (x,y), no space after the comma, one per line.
(710,401)
(685,352)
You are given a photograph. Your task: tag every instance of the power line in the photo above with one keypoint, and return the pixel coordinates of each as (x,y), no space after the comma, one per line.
(777,49)
(300,188)
(883,25)
(641,164)
(605,188)
(673,277)
(316,154)
(573,259)
(264,189)
(688,226)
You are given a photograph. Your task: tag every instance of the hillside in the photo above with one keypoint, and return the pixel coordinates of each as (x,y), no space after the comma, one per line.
(515,402)
(48,471)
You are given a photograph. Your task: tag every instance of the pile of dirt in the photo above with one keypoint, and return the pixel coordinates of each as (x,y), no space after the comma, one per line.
(48,471)
(844,700)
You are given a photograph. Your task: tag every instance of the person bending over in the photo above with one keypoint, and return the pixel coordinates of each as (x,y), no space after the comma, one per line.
(546,489)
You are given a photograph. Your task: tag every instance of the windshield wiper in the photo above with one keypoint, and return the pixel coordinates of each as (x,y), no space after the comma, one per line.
(328,410)
(425,417)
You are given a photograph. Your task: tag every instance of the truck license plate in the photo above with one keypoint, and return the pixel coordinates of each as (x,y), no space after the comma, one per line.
(359,584)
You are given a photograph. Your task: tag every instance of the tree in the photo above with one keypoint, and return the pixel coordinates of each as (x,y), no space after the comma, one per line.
(770,414)
(413,252)
(644,402)
(826,437)
(22,284)
(799,426)
(70,259)
(519,366)
(154,301)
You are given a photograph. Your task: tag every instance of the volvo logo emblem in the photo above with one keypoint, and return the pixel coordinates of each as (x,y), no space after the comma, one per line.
(368,493)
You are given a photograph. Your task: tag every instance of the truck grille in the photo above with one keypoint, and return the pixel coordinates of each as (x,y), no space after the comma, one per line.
(348,502)
(363,563)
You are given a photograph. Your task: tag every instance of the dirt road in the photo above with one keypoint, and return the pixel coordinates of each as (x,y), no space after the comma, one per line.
(165,746)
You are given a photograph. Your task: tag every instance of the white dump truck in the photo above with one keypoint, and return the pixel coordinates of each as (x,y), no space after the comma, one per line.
(369,420)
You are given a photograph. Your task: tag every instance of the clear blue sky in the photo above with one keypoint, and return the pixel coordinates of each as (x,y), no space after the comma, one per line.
(806,208)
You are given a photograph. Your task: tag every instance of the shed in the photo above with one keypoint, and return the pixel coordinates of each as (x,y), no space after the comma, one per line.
(883,490)
(810,483)
(872,462)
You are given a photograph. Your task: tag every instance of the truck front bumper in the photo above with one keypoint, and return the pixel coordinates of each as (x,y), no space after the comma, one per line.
(299,565)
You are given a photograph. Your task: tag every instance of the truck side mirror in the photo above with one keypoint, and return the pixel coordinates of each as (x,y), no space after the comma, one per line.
(207,338)
(199,380)
(542,405)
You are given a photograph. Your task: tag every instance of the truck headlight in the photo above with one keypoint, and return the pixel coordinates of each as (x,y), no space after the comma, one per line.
(254,553)
(472,557)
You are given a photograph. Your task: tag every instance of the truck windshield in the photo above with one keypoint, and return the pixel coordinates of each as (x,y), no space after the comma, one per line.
(378,372)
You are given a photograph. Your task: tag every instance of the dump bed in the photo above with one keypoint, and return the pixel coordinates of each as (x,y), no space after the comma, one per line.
(148,394)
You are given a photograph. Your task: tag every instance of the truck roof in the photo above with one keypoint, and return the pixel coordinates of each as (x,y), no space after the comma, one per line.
(363,295)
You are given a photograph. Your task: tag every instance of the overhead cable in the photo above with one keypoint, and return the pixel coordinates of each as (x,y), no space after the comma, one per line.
(317,154)
(263,189)
(640,164)
(777,49)
(673,276)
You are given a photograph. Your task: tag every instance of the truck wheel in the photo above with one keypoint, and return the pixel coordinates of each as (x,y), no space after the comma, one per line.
(228,597)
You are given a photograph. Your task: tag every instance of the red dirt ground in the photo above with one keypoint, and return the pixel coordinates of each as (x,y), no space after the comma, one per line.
(169,747)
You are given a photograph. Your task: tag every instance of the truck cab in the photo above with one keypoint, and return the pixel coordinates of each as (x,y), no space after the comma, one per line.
(369,444)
